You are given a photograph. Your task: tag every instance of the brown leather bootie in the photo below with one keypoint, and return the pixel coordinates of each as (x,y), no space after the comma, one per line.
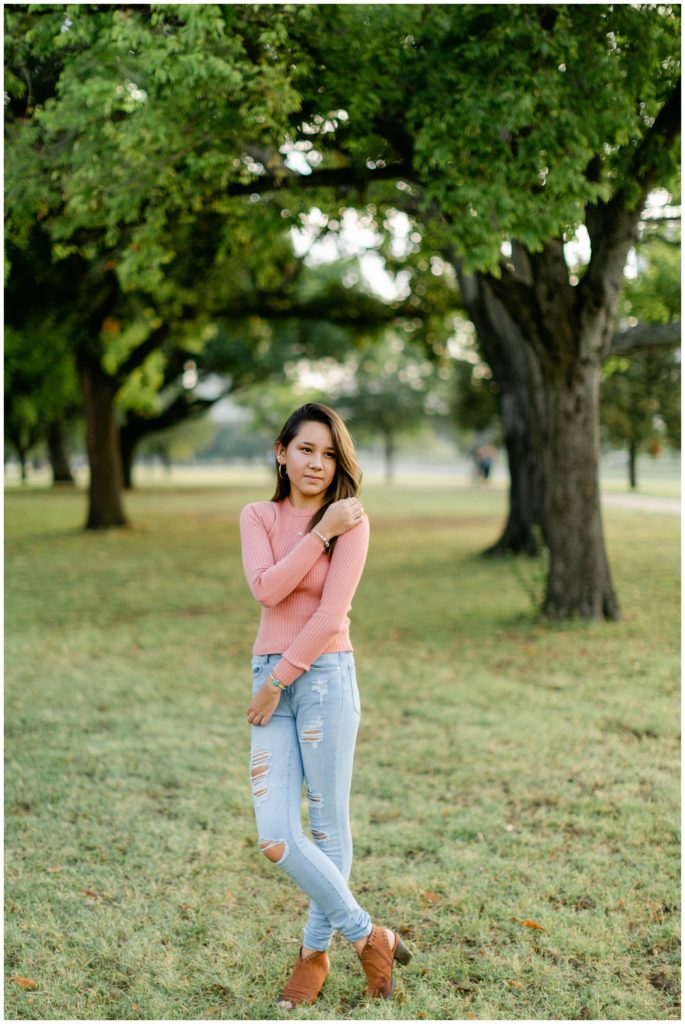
(377,959)
(306,979)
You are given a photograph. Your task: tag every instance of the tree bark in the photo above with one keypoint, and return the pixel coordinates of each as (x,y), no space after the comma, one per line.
(632,465)
(128,442)
(522,408)
(579,581)
(389,448)
(23,458)
(645,339)
(61,470)
(105,508)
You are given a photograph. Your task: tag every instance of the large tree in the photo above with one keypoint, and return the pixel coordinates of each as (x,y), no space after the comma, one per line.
(516,125)
(109,155)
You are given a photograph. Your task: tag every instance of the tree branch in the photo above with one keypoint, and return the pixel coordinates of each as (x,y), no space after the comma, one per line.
(140,354)
(612,225)
(182,408)
(327,177)
(666,128)
(645,339)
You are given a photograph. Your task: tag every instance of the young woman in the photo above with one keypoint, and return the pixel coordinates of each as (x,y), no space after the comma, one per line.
(303,553)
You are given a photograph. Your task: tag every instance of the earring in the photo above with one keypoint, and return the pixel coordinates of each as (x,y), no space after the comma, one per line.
(282,471)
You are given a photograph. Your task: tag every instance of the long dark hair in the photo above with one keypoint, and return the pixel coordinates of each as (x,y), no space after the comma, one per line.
(348,476)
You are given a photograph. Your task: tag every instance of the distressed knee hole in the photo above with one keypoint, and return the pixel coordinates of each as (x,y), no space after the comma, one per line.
(315,800)
(313,732)
(259,771)
(319,836)
(274,849)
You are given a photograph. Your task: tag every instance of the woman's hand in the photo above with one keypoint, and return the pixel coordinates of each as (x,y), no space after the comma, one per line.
(340,517)
(263,704)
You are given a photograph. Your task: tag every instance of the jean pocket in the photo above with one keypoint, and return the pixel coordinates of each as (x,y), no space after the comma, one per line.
(325,661)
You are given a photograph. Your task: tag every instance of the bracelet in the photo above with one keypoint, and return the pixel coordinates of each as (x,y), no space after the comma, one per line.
(326,543)
(277,682)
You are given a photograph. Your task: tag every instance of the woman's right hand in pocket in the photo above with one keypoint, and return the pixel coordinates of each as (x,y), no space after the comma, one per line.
(340,517)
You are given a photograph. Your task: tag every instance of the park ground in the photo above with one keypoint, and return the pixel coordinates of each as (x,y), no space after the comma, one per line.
(515,804)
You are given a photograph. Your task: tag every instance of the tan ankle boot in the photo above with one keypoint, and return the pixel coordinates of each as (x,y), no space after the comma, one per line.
(306,979)
(377,959)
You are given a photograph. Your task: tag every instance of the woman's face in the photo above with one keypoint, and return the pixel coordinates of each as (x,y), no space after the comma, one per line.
(310,461)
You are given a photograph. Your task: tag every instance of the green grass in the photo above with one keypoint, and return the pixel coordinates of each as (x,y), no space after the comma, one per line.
(506,771)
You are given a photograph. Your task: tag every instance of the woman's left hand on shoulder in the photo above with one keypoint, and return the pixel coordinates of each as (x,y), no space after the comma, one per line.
(263,704)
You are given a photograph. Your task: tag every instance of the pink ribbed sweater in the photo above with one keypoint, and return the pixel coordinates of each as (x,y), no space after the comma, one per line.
(305,595)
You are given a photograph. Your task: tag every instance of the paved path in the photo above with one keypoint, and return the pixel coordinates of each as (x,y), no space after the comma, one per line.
(642,503)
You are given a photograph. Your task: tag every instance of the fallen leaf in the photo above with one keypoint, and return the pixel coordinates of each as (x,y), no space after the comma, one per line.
(514,983)
(532,924)
(91,892)
(430,896)
(24,982)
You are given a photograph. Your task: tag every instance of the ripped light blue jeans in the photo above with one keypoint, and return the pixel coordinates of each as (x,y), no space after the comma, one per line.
(311,736)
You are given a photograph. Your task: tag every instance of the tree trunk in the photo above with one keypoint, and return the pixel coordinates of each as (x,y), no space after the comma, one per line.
(23,458)
(389,447)
(522,407)
(525,482)
(567,334)
(135,427)
(128,442)
(105,507)
(61,470)
(632,465)
(579,581)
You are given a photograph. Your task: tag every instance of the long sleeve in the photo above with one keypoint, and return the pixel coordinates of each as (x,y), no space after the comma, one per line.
(330,618)
(271,581)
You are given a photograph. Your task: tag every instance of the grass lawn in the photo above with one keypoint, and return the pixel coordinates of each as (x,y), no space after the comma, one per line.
(515,802)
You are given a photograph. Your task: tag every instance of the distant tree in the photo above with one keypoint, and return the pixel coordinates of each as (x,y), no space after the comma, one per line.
(641,404)
(640,398)
(270,402)
(474,396)
(180,443)
(41,383)
(389,395)
(237,441)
